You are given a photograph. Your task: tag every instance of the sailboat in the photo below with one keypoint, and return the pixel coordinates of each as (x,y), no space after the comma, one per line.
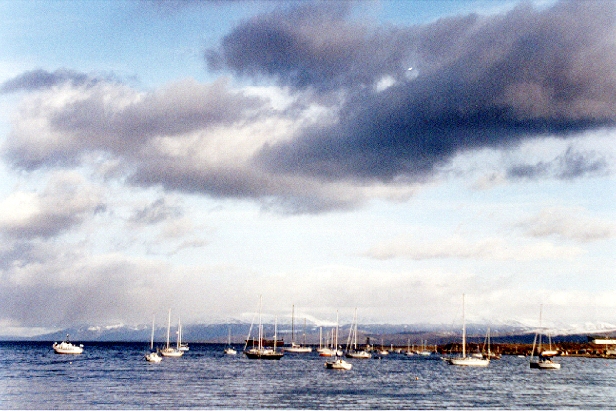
(544,359)
(338,363)
(153,356)
(382,351)
(489,354)
(329,350)
(181,346)
(424,349)
(297,348)
(260,352)
(354,352)
(169,351)
(321,347)
(230,350)
(464,360)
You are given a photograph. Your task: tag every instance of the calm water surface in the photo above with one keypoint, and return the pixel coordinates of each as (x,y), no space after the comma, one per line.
(115,376)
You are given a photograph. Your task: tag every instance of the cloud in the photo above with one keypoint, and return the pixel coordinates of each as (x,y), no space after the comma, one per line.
(117,119)
(65,203)
(570,224)
(75,288)
(186,137)
(458,248)
(41,79)
(345,121)
(310,46)
(163,228)
(570,165)
(155,212)
(483,81)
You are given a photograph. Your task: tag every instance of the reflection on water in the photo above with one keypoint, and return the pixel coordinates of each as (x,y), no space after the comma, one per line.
(115,376)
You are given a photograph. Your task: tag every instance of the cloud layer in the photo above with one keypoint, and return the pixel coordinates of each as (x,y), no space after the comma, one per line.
(316,110)
(482,82)
(353,116)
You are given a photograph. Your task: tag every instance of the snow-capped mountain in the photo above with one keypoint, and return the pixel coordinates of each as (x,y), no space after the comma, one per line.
(393,333)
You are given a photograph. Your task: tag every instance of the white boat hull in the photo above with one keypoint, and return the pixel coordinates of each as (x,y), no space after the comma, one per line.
(603,341)
(545,365)
(338,364)
(67,348)
(298,350)
(171,352)
(361,355)
(153,357)
(469,362)
(549,353)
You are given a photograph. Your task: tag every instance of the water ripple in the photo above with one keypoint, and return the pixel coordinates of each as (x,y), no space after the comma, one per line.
(115,376)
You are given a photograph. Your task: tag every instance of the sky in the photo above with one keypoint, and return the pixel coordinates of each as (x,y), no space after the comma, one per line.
(388,156)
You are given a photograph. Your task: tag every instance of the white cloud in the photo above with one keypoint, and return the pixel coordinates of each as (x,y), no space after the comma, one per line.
(456,247)
(570,224)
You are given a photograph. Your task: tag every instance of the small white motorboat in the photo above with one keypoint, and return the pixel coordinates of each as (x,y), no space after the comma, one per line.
(338,364)
(230,351)
(153,357)
(66,347)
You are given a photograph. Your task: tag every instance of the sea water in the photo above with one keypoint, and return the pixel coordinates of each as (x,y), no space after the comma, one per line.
(116,376)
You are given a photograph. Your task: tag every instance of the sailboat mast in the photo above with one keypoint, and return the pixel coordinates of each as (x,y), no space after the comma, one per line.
(275,331)
(540,326)
(152,337)
(336,337)
(260,326)
(292,324)
(168,327)
(489,352)
(463,330)
(179,333)
(355,332)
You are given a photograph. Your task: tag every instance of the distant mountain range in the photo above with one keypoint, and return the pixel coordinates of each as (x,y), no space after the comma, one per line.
(375,333)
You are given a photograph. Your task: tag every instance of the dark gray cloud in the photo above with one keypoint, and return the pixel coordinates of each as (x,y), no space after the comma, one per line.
(483,81)
(570,165)
(309,46)
(41,79)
